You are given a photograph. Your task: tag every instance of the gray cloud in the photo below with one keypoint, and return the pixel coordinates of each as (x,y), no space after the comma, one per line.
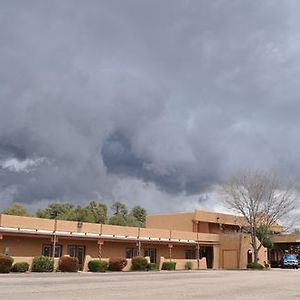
(145,99)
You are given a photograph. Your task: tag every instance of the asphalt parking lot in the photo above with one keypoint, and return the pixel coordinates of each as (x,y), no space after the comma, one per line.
(271,284)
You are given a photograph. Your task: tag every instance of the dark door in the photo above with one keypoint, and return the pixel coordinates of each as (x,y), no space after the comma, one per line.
(80,256)
(151,252)
(207,252)
(79,252)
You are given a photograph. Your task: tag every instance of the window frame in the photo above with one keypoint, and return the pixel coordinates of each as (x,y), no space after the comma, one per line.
(50,246)
(132,251)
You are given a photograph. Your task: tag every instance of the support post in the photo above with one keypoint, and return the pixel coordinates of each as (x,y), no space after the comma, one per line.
(195,226)
(100,244)
(216,257)
(197,255)
(139,242)
(54,239)
(170,251)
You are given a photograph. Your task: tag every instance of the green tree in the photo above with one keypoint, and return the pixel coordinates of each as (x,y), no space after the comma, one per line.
(56,211)
(81,214)
(16,209)
(262,234)
(139,213)
(118,220)
(119,208)
(99,211)
(132,221)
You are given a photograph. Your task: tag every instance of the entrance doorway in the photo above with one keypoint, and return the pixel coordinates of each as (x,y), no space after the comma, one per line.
(249,256)
(207,251)
(79,252)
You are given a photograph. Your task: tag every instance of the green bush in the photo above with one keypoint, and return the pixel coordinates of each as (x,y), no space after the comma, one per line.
(139,263)
(255,266)
(117,263)
(169,265)
(98,265)
(20,267)
(151,267)
(5,263)
(42,264)
(68,264)
(188,265)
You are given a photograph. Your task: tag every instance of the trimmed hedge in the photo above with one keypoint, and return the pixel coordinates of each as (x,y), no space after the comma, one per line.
(151,267)
(255,266)
(169,265)
(188,265)
(139,263)
(98,265)
(5,263)
(42,264)
(117,263)
(20,267)
(68,264)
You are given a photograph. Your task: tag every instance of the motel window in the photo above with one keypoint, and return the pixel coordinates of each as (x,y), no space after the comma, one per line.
(131,252)
(72,250)
(47,250)
(190,254)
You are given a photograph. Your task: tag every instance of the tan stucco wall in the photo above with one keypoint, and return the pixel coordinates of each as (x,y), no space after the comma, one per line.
(204,221)
(229,247)
(234,250)
(180,263)
(26,222)
(179,221)
(214,217)
(23,246)
(72,227)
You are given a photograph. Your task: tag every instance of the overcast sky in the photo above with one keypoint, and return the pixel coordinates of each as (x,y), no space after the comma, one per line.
(147,102)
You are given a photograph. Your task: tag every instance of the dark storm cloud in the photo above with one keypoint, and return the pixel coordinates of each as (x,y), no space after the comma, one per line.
(108,99)
(120,158)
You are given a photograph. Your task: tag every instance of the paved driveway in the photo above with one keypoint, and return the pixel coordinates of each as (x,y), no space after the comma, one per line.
(273,284)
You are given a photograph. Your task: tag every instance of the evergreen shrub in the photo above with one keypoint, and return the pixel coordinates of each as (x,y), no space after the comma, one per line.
(20,267)
(255,266)
(151,267)
(98,265)
(169,265)
(42,264)
(139,263)
(188,265)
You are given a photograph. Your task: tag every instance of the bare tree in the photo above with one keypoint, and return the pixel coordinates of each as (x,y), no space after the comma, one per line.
(262,199)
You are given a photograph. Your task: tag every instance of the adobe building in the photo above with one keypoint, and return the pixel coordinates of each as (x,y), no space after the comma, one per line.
(207,239)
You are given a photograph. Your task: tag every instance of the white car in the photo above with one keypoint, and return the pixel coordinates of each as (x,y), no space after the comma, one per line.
(289,261)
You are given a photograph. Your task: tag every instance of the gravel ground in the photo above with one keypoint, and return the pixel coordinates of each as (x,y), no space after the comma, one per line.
(273,284)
